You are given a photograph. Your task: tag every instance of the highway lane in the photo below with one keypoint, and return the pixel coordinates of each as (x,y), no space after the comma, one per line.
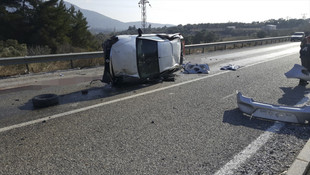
(190,126)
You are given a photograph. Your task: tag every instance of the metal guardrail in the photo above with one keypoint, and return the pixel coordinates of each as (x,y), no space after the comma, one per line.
(88,55)
(48,58)
(235,43)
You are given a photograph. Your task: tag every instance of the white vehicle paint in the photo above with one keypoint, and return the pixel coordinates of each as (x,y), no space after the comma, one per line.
(298,72)
(141,57)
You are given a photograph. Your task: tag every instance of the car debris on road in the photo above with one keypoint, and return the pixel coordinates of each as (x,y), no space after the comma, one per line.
(190,68)
(230,67)
(45,100)
(299,115)
(298,72)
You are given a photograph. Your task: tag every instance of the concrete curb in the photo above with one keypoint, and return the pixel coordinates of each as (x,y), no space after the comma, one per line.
(302,162)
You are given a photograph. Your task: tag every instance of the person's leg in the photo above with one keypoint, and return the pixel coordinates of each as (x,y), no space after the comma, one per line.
(305,62)
(302,82)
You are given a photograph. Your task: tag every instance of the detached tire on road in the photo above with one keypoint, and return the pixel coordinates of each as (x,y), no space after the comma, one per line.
(45,100)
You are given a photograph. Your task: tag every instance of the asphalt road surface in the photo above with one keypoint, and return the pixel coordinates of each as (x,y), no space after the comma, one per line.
(189,126)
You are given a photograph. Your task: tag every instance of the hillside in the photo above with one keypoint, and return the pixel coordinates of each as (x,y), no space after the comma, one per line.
(101,23)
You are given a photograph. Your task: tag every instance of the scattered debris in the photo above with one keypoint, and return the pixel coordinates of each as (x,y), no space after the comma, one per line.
(45,100)
(84,92)
(168,78)
(298,72)
(196,68)
(273,112)
(230,67)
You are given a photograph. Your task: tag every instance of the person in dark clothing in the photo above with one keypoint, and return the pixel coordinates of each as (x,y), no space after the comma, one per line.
(305,56)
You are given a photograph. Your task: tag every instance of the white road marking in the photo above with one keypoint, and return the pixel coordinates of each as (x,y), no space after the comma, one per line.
(125,98)
(250,150)
(228,96)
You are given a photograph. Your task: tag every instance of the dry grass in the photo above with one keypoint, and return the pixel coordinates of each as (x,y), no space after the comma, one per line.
(49,66)
(12,70)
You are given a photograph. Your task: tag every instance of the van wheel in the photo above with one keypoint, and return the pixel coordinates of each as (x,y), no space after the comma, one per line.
(45,100)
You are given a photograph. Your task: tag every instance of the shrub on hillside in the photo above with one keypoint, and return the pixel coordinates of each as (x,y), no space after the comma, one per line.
(11,48)
(39,50)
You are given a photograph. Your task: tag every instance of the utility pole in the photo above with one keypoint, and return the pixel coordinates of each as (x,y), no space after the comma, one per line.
(142,5)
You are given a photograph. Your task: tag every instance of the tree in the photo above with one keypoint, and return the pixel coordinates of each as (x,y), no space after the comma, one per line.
(41,22)
(79,34)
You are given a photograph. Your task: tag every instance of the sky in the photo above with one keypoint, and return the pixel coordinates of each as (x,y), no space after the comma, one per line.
(199,11)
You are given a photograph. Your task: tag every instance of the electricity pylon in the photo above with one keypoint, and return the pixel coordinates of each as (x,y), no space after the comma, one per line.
(142,4)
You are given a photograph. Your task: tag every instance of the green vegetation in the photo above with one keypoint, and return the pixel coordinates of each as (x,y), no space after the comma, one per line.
(45,24)
(11,48)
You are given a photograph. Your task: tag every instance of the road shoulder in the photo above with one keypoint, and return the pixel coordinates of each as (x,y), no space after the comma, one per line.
(302,162)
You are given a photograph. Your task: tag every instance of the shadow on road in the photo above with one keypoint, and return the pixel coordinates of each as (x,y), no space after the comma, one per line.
(93,93)
(292,96)
(237,118)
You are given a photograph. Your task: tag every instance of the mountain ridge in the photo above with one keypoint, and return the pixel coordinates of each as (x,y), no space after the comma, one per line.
(100,23)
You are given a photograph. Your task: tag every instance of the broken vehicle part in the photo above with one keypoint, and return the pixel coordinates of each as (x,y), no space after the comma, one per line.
(196,68)
(133,57)
(230,67)
(299,72)
(45,100)
(273,112)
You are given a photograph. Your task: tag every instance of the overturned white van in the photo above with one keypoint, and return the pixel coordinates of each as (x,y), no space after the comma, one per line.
(144,57)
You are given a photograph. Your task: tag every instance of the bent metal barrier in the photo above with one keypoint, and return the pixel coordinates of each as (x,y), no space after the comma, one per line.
(89,55)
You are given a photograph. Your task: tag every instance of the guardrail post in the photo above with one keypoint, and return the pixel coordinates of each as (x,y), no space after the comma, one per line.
(27,67)
(71,62)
